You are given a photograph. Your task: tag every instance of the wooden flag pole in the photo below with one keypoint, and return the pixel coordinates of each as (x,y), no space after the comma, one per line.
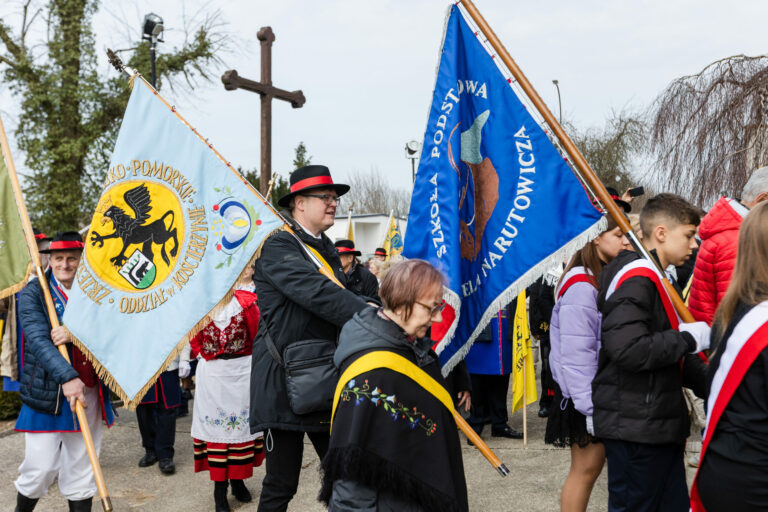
(525,405)
(582,167)
(386,230)
(54,319)
(478,442)
(271,185)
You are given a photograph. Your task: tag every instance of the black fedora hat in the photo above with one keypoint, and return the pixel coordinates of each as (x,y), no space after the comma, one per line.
(618,200)
(311,177)
(65,241)
(40,236)
(346,247)
(380,251)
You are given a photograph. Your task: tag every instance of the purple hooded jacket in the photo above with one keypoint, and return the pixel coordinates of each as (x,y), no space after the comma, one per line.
(575,337)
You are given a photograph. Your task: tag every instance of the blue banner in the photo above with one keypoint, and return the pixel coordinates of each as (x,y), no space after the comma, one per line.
(174,228)
(494,201)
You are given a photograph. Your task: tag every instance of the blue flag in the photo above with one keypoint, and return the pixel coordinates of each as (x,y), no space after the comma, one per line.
(174,228)
(494,201)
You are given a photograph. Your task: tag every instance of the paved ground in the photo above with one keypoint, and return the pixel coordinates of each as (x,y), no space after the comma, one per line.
(537,473)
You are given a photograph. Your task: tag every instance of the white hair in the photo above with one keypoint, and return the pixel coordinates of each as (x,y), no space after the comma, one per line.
(756,184)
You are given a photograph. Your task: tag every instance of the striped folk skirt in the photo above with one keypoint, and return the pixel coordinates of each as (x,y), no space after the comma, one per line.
(234,461)
(223,443)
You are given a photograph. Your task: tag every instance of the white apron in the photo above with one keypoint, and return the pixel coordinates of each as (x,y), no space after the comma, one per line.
(222,401)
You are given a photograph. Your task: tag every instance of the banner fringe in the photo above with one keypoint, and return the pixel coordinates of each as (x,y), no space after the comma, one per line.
(18,286)
(131,403)
(515,288)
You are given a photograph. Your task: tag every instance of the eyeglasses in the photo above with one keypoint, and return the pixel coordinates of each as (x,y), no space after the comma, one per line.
(433,310)
(327,198)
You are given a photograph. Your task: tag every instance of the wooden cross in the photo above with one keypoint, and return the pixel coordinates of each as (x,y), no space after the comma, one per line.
(267,91)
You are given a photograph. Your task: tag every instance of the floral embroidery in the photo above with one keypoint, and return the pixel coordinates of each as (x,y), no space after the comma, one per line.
(229,421)
(230,340)
(363,393)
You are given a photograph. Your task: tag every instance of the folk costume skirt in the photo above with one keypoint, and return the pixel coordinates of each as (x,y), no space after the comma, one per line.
(223,443)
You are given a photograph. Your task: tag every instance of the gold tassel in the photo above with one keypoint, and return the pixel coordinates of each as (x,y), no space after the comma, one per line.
(18,286)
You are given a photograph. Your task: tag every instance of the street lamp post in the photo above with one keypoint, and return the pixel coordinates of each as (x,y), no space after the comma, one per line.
(152,32)
(559,103)
(412,149)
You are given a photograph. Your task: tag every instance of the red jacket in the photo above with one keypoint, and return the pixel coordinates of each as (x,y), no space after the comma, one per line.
(719,232)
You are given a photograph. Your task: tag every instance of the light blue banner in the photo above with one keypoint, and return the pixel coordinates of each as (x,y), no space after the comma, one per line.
(173,230)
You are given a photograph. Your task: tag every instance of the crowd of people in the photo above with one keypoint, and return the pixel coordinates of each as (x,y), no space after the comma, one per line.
(350,364)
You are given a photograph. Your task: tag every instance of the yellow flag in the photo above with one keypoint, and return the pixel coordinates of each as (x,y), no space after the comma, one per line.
(350,230)
(393,243)
(523,374)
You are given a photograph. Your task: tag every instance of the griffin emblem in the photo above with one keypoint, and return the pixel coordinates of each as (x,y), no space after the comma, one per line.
(132,230)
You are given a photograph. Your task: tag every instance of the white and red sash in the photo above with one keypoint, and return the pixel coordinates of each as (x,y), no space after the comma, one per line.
(749,338)
(644,268)
(573,276)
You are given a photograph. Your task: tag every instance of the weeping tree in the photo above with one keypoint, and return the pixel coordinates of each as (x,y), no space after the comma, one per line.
(708,130)
(613,151)
(69,113)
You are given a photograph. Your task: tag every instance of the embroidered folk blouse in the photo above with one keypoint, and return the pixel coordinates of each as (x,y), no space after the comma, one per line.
(234,338)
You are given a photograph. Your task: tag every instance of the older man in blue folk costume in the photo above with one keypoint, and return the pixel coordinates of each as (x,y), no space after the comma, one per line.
(53,443)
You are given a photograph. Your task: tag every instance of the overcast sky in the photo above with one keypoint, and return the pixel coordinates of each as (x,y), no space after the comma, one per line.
(367,67)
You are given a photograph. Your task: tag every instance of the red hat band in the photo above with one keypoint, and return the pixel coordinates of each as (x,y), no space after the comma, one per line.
(311,182)
(345,249)
(65,244)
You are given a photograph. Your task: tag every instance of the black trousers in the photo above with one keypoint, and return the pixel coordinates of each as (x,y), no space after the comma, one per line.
(646,477)
(284,451)
(489,401)
(547,381)
(726,485)
(157,426)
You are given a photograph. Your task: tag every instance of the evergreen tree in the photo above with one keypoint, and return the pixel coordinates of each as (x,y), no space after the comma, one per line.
(279,189)
(301,159)
(70,114)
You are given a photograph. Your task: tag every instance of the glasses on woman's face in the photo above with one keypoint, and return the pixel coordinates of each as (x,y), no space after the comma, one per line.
(328,199)
(433,310)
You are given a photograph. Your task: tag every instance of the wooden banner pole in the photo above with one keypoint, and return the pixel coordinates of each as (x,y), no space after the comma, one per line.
(54,319)
(478,442)
(582,167)
(525,405)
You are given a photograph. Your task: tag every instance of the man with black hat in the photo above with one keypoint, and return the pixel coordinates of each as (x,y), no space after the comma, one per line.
(299,307)
(53,443)
(380,254)
(360,281)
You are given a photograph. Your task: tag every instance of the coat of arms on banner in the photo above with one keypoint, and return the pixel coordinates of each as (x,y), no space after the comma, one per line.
(173,229)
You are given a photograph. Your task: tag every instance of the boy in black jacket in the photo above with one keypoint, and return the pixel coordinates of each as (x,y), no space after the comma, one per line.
(644,362)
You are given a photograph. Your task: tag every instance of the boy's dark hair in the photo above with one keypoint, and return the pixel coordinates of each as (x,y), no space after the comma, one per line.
(667,207)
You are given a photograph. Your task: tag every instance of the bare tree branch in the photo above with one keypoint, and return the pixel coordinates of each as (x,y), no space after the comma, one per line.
(371,192)
(708,130)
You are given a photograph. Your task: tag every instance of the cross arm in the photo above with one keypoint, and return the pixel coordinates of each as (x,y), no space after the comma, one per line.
(233,81)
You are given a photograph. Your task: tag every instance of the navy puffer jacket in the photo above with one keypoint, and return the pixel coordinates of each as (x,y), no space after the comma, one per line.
(45,370)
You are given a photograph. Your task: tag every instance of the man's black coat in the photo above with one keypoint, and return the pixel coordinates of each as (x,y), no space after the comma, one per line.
(361,282)
(296,303)
(638,389)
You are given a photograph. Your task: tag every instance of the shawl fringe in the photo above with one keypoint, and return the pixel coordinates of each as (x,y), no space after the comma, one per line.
(359,465)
